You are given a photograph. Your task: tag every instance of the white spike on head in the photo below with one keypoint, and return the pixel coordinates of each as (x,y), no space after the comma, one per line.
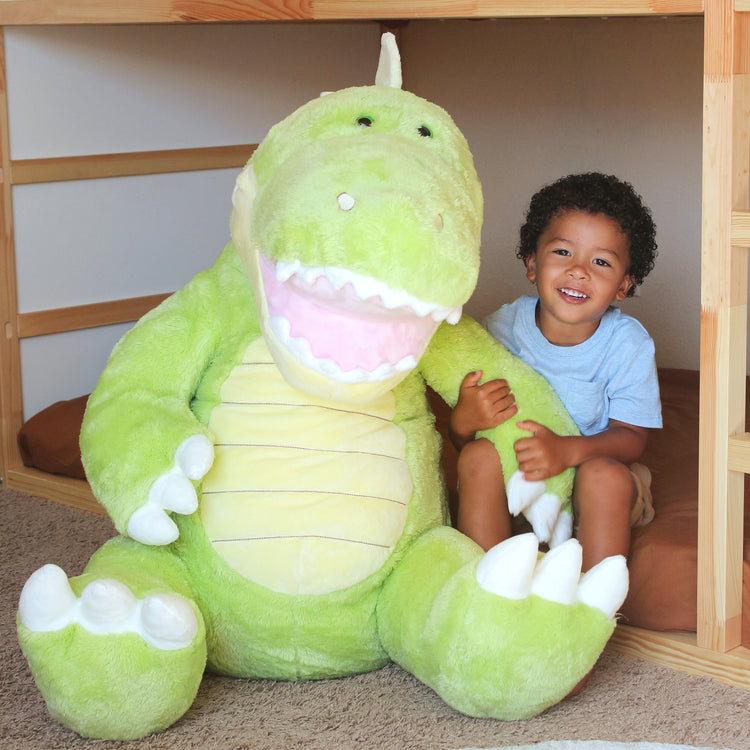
(389,64)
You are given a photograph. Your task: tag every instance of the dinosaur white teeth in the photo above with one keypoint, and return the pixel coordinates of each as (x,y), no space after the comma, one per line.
(285,270)
(300,349)
(366,288)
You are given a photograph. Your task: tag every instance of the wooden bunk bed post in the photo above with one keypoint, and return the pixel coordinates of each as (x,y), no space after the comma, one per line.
(723,326)
(10,358)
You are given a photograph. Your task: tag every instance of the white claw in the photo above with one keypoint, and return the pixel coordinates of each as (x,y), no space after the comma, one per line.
(558,573)
(151,525)
(46,600)
(507,569)
(605,586)
(542,514)
(563,529)
(195,456)
(168,621)
(172,491)
(107,606)
(522,493)
(512,569)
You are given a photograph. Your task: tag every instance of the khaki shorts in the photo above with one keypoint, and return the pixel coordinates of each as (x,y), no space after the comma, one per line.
(643,508)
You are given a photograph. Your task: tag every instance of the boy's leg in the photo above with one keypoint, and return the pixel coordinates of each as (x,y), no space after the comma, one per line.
(482,505)
(603,498)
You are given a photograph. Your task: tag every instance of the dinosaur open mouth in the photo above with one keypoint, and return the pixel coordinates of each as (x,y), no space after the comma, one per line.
(350,328)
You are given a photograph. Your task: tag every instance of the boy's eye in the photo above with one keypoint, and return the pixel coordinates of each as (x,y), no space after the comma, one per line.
(601,262)
(560,251)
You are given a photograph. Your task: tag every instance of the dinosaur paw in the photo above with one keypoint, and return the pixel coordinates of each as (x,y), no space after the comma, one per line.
(512,570)
(172,491)
(106,607)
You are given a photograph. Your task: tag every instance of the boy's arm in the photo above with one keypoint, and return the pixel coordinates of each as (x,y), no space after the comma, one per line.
(545,454)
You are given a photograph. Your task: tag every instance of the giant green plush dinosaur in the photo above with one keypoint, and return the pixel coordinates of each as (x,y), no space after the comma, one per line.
(263,443)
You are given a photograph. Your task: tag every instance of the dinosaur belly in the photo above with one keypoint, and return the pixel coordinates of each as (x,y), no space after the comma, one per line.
(305,496)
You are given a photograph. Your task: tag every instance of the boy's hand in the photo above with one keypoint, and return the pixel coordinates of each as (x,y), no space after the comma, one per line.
(480,407)
(542,455)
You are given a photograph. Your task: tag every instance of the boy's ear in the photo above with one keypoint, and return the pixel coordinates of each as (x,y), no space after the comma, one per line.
(531,267)
(625,286)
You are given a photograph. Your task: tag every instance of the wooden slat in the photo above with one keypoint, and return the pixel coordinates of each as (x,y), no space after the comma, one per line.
(63,319)
(739,453)
(182,11)
(741,228)
(723,329)
(27,171)
(11,400)
(75,493)
(679,651)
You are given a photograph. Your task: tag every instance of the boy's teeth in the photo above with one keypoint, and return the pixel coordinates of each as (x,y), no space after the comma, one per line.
(573,293)
(366,288)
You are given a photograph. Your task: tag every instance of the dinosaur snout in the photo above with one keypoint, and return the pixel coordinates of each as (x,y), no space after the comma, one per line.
(347,202)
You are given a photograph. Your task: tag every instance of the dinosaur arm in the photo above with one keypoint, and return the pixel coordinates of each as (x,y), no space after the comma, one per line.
(140,411)
(466,347)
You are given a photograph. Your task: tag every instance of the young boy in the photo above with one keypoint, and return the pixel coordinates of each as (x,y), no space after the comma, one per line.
(587,242)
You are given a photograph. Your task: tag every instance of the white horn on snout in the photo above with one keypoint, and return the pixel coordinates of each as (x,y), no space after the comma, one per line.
(389,64)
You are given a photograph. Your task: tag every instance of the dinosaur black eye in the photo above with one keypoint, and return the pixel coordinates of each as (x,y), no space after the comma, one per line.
(365,122)
(424,131)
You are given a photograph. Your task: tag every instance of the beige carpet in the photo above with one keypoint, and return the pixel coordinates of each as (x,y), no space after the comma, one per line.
(625,700)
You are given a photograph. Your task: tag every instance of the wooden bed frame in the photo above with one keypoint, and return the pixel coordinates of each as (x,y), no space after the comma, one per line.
(724,445)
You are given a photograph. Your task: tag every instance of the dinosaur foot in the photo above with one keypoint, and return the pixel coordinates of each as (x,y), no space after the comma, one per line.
(110,665)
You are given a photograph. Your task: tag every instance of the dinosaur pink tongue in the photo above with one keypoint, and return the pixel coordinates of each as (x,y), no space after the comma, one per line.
(355,334)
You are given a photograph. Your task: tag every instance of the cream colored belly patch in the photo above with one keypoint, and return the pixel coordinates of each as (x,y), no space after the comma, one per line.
(305,496)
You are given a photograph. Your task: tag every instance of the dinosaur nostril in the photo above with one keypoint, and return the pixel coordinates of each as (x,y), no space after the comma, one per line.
(346,202)
(439,222)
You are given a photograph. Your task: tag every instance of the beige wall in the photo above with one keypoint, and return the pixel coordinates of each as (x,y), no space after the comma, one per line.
(536,99)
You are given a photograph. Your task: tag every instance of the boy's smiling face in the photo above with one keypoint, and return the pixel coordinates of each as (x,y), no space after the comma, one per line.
(581,266)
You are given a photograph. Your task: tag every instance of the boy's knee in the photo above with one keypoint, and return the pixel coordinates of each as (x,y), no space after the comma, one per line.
(606,481)
(603,469)
(478,455)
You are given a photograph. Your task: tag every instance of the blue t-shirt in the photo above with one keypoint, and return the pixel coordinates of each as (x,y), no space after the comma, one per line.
(611,375)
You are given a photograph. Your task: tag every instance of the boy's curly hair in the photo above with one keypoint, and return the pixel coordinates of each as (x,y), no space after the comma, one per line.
(594,193)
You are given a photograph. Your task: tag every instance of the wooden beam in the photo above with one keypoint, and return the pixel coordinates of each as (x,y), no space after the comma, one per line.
(75,493)
(29,171)
(680,651)
(13,12)
(62,319)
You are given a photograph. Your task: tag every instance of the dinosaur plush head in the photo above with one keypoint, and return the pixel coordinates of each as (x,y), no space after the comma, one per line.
(358,220)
